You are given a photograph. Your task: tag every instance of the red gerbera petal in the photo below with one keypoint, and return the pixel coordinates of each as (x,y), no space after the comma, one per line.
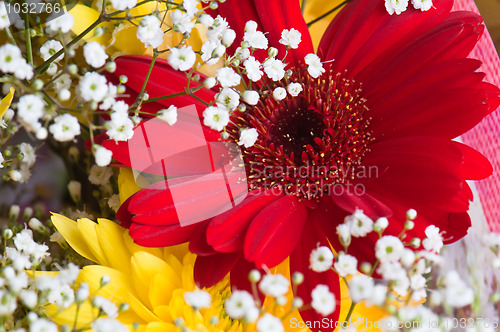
(313,235)
(275,231)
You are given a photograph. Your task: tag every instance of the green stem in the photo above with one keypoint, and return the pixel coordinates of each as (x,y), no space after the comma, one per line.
(153,60)
(349,314)
(29,50)
(303,6)
(11,37)
(328,13)
(173,95)
(70,44)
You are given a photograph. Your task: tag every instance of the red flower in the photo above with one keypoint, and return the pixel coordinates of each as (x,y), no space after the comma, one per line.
(400,89)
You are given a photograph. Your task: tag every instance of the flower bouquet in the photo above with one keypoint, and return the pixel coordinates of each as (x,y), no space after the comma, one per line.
(224,165)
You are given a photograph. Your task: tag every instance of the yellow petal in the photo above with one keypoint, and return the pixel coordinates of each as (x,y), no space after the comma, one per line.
(113,246)
(126,184)
(160,291)
(144,267)
(134,248)
(6,101)
(88,231)
(84,17)
(313,10)
(69,230)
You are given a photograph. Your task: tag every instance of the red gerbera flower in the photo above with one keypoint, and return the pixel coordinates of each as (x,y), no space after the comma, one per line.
(399,90)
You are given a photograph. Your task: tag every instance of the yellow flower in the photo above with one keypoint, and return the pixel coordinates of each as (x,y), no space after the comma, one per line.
(315,9)
(6,101)
(151,280)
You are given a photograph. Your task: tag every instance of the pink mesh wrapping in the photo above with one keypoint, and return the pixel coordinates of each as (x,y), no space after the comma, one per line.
(485,137)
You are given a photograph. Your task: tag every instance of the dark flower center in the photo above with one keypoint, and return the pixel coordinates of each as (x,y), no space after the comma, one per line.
(308,143)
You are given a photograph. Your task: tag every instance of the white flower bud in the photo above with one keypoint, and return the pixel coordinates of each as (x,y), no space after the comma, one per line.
(250,97)
(209,82)
(228,37)
(411,214)
(75,190)
(272,52)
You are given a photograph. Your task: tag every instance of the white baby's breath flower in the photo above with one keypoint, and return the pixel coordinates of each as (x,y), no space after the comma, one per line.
(211,51)
(182,22)
(114,202)
(102,155)
(168,115)
(359,223)
(108,324)
(248,137)
(256,39)
(291,38)
(93,87)
(423,5)
(274,69)
(217,28)
(378,296)
(28,152)
(323,301)
(269,323)
(396,6)
(215,118)
(346,265)
(344,233)
(314,65)
(94,54)
(279,93)
(228,37)
(417,285)
(62,23)
(29,298)
(100,175)
(228,98)
(227,77)
(1,160)
(149,31)
(239,304)
(182,58)
(321,259)
(294,89)
(198,299)
(433,241)
(65,128)
(253,69)
(274,285)
(4,17)
(191,6)
(10,57)
(389,248)
(43,325)
(49,48)
(250,97)
(360,288)
(206,20)
(108,307)
(123,4)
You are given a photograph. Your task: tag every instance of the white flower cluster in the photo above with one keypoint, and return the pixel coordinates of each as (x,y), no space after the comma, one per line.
(12,62)
(399,6)
(30,294)
(404,268)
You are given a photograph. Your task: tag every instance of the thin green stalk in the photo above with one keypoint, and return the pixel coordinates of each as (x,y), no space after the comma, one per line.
(11,37)
(173,95)
(70,44)
(327,13)
(303,6)
(349,314)
(29,50)
(153,60)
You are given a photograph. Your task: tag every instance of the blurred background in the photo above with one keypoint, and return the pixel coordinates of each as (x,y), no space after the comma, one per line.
(490,10)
